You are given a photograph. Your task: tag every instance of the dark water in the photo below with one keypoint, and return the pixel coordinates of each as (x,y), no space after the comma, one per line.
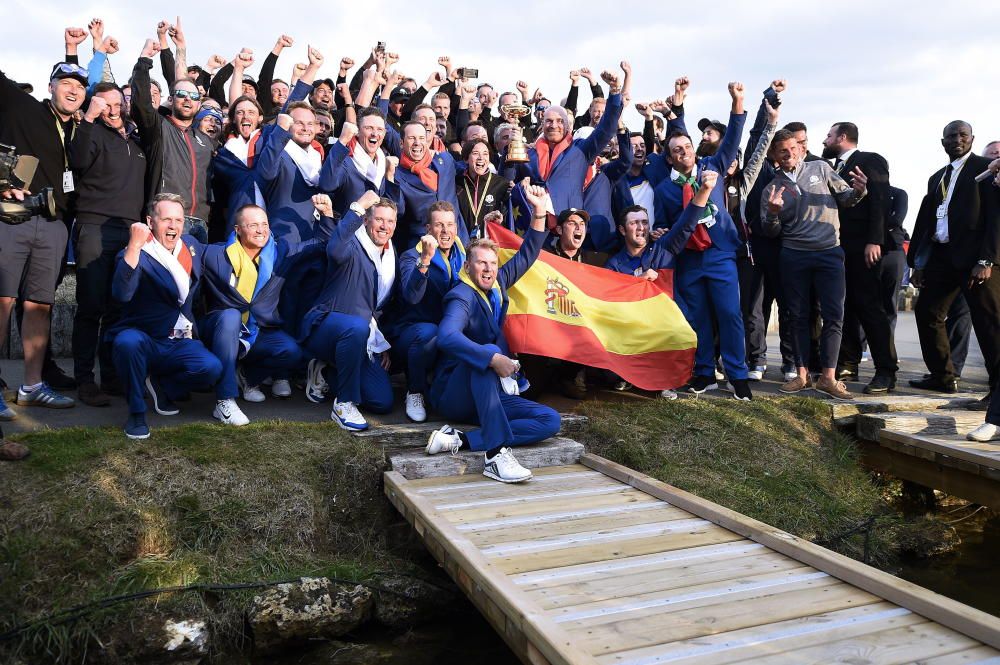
(971,574)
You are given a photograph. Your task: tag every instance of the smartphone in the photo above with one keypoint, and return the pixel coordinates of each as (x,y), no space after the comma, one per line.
(380,47)
(772,97)
(468,73)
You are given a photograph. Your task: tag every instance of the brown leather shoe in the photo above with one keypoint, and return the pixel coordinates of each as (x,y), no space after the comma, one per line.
(795,385)
(833,388)
(91,395)
(12,452)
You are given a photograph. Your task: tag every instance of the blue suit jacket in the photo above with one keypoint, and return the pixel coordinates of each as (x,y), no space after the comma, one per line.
(662,253)
(289,197)
(669,195)
(345,185)
(566,178)
(421,295)
(468,333)
(418,198)
(149,294)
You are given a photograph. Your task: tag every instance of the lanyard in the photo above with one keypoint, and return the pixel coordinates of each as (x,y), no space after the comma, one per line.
(62,137)
(472,200)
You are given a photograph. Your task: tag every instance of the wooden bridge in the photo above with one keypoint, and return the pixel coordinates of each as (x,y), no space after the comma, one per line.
(591,562)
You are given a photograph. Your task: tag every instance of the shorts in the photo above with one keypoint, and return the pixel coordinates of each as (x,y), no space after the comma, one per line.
(31,255)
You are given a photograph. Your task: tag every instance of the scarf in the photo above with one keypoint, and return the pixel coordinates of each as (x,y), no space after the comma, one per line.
(547,155)
(452,266)
(385,268)
(308,160)
(493,299)
(421,169)
(699,240)
(373,170)
(437,145)
(249,277)
(246,152)
(179,264)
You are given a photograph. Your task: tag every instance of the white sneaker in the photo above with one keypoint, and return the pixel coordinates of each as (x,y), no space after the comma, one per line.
(791,376)
(505,468)
(443,439)
(983,433)
(668,394)
(228,412)
(347,416)
(281,388)
(757,373)
(415,409)
(250,393)
(317,388)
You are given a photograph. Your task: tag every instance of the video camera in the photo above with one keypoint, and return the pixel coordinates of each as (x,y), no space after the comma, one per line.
(16,172)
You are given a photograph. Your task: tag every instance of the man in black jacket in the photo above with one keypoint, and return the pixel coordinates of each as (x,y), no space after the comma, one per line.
(956,241)
(109,167)
(863,237)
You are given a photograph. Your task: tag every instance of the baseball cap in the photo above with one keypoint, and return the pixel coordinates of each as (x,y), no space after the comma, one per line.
(66,70)
(399,94)
(705,123)
(250,80)
(569,212)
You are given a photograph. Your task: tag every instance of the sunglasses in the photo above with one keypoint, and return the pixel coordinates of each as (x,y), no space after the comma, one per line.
(184,94)
(70,69)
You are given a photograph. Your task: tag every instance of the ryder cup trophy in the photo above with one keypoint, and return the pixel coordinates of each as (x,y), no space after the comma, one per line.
(517,150)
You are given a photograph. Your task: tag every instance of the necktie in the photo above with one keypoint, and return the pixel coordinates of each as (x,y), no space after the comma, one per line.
(838,165)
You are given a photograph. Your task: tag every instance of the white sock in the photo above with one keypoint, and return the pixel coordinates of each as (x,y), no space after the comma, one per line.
(32,388)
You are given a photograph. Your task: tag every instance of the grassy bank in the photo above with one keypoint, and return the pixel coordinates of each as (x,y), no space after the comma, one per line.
(777,460)
(90,515)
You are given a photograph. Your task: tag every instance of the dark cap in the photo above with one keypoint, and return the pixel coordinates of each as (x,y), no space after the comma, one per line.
(330,83)
(569,212)
(250,80)
(399,94)
(67,70)
(197,68)
(705,123)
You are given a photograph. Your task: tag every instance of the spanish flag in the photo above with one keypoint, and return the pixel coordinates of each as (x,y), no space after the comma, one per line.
(597,317)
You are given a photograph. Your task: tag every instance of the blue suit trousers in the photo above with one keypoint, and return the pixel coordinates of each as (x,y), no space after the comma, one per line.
(342,341)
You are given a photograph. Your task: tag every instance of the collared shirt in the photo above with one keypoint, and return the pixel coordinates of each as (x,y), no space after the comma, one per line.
(941,230)
(838,162)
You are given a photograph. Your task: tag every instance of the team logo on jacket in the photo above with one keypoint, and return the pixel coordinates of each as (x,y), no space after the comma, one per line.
(557,299)
(489,198)
(813,179)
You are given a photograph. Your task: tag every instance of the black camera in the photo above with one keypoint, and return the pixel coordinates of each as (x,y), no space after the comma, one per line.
(468,73)
(16,172)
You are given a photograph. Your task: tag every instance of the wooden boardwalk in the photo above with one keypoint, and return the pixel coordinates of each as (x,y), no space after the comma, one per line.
(596,563)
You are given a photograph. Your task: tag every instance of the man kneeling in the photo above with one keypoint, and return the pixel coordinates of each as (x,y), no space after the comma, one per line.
(156,280)
(475,378)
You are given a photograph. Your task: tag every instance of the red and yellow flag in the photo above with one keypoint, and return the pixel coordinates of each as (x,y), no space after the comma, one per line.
(599,318)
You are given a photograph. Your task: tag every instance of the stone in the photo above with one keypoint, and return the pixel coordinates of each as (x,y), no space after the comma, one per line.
(416,434)
(402,601)
(158,639)
(314,607)
(556,451)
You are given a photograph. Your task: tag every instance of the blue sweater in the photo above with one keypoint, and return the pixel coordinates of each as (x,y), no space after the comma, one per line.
(418,198)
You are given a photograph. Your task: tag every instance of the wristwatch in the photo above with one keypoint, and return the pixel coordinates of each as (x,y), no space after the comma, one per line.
(984,263)
(358,208)
(422,266)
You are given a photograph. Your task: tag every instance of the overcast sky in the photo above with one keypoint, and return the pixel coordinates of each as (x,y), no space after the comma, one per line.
(899,70)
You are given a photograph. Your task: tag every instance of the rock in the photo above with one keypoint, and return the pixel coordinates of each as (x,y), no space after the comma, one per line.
(154,640)
(404,601)
(314,607)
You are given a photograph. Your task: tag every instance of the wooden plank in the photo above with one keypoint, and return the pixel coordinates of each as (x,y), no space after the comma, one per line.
(955,615)
(706,535)
(677,576)
(982,655)
(537,496)
(624,496)
(905,644)
(571,515)
(549,639)
(980,454)
(556,451)
(584,572)
(943,422)
(445,484)
(585,539)
(971,486)
(843,413)
(416,434)
(495,490)
(738,611)
(775,638)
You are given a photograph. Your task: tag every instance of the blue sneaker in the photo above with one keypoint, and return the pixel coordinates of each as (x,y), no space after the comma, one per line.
(161,403)
(136,427)
(6,413)
(44,396)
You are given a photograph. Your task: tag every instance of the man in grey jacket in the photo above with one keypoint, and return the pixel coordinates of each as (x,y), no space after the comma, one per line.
(801,204)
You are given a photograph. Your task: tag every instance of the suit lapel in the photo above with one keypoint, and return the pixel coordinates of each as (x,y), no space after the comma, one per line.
(161,277)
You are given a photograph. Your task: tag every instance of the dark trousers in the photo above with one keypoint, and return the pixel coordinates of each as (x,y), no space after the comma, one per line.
(415,350)
(942,283)
(865,306)
(959,326)
(95,246)
(821,273)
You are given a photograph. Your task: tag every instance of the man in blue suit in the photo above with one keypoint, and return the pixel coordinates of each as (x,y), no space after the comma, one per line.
(244,280)
(476,380)
(156,280)
(357,163)
(426,273)
(706,269)
(425,177)
(342,327)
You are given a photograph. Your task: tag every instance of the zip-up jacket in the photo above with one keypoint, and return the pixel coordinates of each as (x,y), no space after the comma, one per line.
(109,170)
(177,159)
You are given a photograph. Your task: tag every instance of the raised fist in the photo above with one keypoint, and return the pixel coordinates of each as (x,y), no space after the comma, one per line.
(429,245)
(216,62)
(368,199)
(284,121)
(97,106)
(243,59)
(299,69)
(109,45)
(736,90)
(150,49)
(574,76)
(626,67)
(585,73)
(315,57)
(346,63)
(345,92)
(522,87)
(708,179)
(391,163)
(682,83)
(284,41)
(161,29)
(348,132)
(75,36)
(611,80)
(779,85)
(495,217)
(139,234)
(323,204)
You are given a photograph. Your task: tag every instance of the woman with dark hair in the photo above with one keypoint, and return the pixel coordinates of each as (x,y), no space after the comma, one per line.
(480,191)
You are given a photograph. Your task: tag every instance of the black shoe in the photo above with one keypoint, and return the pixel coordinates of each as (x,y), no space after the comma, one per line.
(980,404)
(741,389)
(847,374)
(58,379)
(880,383)
(949,386)
(699,384)
(91,395)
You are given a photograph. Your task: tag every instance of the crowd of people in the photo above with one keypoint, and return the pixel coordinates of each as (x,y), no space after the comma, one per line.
(246,235)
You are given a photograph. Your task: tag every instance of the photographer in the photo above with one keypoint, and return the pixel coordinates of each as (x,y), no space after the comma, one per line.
(32,244)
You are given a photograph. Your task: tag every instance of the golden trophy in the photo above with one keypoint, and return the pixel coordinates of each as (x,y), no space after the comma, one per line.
(517,149)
